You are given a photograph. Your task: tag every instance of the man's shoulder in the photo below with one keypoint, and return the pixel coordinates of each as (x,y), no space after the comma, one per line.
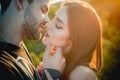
(4,67)
(9,70)
(6,71)
(6,63)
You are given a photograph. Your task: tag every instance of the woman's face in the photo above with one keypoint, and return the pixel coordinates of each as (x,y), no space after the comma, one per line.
(57,30)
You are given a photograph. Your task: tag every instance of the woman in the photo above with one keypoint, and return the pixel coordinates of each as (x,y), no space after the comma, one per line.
(76,29)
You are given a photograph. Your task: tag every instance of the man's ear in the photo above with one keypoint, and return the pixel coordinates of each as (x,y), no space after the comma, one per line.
(19,4)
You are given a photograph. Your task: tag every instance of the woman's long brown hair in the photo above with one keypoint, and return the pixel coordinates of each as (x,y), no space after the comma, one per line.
(85,35)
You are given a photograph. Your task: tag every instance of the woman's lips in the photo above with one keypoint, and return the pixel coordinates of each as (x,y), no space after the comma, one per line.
(46,34)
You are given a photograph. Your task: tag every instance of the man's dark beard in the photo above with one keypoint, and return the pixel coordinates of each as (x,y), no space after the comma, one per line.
(29,25)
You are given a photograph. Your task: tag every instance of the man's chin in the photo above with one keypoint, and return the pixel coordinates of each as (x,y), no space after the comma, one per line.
(36,37)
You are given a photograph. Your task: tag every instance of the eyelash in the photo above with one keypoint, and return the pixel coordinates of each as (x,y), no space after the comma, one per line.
(58,26)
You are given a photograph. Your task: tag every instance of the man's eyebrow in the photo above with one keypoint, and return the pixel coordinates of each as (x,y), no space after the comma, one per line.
(59,20)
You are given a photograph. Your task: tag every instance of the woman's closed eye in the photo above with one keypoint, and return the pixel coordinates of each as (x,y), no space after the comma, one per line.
(59,26)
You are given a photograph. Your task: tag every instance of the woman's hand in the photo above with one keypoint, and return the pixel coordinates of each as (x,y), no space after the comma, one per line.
(40,67)
(56,61)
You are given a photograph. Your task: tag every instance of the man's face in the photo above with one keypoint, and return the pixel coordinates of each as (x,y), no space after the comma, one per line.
(34,19)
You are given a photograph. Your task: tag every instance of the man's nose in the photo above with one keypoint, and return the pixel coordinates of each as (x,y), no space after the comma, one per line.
(48,24)
(47,18)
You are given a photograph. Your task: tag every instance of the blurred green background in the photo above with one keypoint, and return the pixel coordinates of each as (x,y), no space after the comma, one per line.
(109,12)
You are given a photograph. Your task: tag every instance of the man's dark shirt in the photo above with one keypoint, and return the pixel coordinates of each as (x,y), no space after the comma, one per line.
(16,64)
(13,69)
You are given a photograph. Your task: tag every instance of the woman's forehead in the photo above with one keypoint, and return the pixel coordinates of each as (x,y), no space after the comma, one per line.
(61,10)
(62,14)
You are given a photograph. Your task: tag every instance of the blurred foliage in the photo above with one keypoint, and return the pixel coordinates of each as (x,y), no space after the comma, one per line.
(109,11)
(52,11)
(36,50)
(37,58)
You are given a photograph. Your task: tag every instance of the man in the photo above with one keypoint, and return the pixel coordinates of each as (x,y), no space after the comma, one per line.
(19,20)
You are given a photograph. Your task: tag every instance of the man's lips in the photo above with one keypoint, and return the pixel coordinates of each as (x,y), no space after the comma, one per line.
(41,28)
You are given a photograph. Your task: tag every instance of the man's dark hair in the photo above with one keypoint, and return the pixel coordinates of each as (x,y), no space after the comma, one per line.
(5,4)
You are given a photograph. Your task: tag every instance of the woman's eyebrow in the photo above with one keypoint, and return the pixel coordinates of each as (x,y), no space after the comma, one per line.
(59,20)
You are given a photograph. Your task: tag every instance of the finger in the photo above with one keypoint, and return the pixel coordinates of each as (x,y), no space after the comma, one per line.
(48,49)
(53,50)
(49,77)
(52,53)
(58,52)
(40,67)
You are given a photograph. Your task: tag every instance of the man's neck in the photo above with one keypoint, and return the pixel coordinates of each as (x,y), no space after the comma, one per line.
(10,39)
(10,35)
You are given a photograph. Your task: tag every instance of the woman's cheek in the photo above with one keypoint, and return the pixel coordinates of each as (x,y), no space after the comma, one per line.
(59,40)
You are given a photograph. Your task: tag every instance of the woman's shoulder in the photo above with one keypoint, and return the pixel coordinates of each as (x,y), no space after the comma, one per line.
(82,73)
